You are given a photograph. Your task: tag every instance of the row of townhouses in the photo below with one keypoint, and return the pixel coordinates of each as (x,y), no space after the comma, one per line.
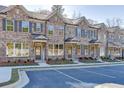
(43,35)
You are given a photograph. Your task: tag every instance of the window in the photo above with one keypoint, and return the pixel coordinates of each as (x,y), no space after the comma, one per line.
(38,27)
(25,50)
(50,50)
(60,30)
(50,29)
(82,33)
(17,49)
(88,34)
(78,50)
(55,49)
(91,34)
(10,48)
(86,50)
(79,32)
(61,51)
(9,25)
(25,26)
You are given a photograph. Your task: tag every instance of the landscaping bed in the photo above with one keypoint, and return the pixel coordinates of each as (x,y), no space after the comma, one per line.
(120,58)
(14,78)
(59,61)
(107,59)
(88,60)
(19,63)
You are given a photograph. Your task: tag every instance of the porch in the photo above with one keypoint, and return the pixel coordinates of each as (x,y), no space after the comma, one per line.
(39,47)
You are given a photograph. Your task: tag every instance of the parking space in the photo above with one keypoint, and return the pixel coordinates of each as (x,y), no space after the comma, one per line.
(76,77)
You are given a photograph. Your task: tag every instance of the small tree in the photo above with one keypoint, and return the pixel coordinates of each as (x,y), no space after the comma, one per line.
(114,22)
(58,8)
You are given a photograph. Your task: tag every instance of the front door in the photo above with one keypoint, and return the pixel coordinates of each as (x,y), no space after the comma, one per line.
(38,52)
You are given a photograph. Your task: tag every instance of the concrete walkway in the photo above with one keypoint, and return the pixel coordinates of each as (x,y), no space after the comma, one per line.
(5,74)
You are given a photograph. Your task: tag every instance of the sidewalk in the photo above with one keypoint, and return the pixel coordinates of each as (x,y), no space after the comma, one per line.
(5,74)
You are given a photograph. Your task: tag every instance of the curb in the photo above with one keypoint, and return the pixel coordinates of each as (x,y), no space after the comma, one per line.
(23,80)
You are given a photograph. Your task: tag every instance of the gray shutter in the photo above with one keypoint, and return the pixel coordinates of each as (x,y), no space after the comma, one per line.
(41,27)
(30,27)
(4,24)
(20,26)
(34,26)
(15,25)
(76,31)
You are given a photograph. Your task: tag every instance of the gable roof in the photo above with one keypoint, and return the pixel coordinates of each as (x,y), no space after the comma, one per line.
(2,7)
(45,15)
(13,6)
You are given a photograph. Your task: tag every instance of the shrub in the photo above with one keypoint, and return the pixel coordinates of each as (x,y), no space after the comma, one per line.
(28,60)
(19,60)
(8,61)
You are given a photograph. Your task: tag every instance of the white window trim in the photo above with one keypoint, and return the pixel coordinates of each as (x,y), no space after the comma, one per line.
(13,25)
(14,55)
(48,29)
(28,26)
(40,27)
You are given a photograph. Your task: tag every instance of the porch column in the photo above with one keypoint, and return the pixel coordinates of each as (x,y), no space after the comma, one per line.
(82,50)
(46,45)
(46,51)
(98,52)
(89,50)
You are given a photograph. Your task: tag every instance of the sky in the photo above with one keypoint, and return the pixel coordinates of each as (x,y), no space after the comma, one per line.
(98,13)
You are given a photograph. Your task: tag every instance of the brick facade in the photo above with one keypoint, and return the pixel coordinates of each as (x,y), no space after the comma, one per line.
(19,13)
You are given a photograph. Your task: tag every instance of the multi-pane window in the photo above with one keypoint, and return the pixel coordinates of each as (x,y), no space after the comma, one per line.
(9,25)
(25,26)
(60,29)
(78,32)
(50,50)
(55,49)
(82,33)
(17,49)
(38,27)
(10,47)
(78,50)
(50,29)
(61,51)
(33,27)
(25,51)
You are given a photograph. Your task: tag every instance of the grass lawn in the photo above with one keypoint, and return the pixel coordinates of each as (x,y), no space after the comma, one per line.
(14,78)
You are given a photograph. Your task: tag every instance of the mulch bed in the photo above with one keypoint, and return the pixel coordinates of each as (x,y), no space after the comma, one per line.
(59,61)
(88,60)
(18,63)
